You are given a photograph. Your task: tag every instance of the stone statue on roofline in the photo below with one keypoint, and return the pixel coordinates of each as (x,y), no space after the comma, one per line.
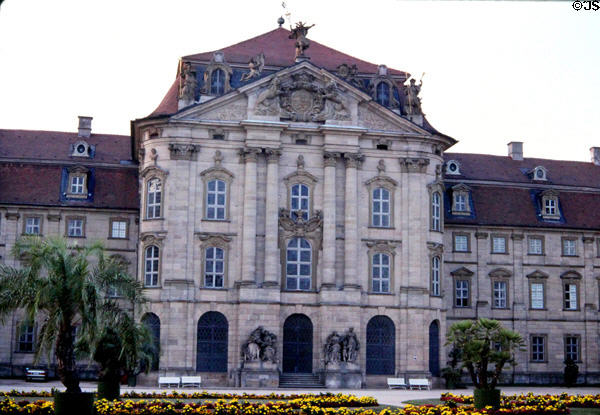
(188,83)
(299,33)
(412,105)
(256,65)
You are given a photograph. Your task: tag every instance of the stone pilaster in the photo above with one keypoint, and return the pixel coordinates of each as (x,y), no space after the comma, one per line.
(272,269)
(248,277)
(351,222)
(329,220)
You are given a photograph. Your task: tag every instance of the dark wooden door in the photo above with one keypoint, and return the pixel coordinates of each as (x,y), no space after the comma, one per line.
(297,344)
(381,346)
(211,353)
(434,348)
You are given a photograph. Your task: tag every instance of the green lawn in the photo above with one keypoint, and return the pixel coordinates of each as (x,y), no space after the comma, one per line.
(417,402)
(585,411)
(574,411)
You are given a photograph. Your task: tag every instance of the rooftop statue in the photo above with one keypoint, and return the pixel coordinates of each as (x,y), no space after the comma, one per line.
(413,102)
(299,33)
(188,86)
(256,66)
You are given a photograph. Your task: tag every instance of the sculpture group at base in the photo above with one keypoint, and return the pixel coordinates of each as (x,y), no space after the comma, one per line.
(342,348)
(261,345)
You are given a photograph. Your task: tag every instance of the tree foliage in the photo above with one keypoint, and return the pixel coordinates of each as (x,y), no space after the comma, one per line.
(66,286)
(484,344)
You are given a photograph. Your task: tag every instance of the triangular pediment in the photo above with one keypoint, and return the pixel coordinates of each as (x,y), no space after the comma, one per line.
(301,93)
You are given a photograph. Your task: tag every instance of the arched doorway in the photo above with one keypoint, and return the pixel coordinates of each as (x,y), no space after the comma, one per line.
(152,322)
(381,346)
(434,348)
(297,344)
(211,355)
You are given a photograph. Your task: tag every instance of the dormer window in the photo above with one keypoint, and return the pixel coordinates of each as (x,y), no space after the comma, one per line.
(217,82)
(77,184)
(460,200)
(539,173)
(383,94)
(453,167)
(549,208)
(81,149)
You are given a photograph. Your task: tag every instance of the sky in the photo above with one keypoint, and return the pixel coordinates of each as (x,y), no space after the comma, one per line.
(495,71)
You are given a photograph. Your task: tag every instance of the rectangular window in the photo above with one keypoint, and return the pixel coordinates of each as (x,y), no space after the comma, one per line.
(461,243)
(498,245)
(435,211)
(77,184)
(572,348)
(118,229)
(569,247)
(500,292)
(33,226)
(216,196)
(461,295)
(538,348)
(550,207)
(570,295)
(214,267)
(25,340)
(75,228)
(537,295)
(381,208)
(536,245)
(460,202)
(153,199)
(435,276)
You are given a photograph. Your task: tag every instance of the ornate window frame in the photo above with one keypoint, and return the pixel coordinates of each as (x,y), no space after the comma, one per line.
(217,63)
(550,197)
(216,172)
(77,172)
(500,275)
(68,219)
(40,224)
(383,76)
(571,278)
(148,174)
(313,267)
(301,176)
(461,190)
(452,168)
(462,274)
(537,277)
(539,173)
(214,240)
(87,149)
(381,247)
(148,239)
(382,181)
(434,188)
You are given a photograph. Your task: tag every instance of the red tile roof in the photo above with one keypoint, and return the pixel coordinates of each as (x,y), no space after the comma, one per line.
(505,169)
(280,52)
(55,145)
(39,185)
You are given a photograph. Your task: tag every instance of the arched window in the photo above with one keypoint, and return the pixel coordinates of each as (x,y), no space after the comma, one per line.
(211,352)
(152,322)
(214,267)
(299,201)
(151,263)
(298,264)
(381,208)
(435,211)
(434,348)
(383,94)
(381,346)
(381,273)
(216,197)
(217,82)
(435,276)
(153,198)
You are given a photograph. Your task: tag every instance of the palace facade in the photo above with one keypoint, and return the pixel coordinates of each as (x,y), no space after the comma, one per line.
(303,191)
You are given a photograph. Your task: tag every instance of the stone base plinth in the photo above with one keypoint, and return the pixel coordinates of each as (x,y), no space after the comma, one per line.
(259,374)
(343,375)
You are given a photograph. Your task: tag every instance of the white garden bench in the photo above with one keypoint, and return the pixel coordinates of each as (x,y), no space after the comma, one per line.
(191,381)
(396,383)
(168,381)
(419,384)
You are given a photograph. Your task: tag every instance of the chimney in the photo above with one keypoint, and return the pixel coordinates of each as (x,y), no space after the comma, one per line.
(515,150)
(595,153)
(85,126)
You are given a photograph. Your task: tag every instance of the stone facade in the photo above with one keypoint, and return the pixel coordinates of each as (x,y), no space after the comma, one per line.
(304,200)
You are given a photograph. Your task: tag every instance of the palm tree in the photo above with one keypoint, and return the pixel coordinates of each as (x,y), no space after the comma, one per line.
(67,286)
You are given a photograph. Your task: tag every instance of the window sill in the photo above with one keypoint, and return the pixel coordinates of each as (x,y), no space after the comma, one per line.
(299,291)
(381,227)
(216,220)
(570,256)
(436,230)
(571,309)
(22,352)
(538,309)
(462,308)
(153,219)
(77,196)
(435,296)
(530,254)
(500,308)
(213,288)
(538,361)
(460,213)
(117,239)
(499,253)
(33,234)
(75,237)
(379,293)
(461,252)
(151,287)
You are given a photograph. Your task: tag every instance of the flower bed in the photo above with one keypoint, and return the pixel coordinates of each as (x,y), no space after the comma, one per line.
(570,401)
